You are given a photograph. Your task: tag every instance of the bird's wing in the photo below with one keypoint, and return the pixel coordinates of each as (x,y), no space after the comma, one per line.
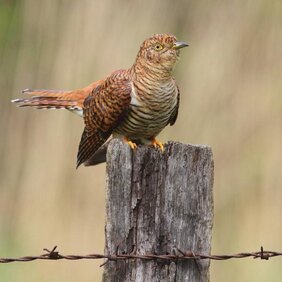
(174,115)
(100,156)
(103,110)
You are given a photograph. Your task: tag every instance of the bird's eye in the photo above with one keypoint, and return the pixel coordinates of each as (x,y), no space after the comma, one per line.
(158,47)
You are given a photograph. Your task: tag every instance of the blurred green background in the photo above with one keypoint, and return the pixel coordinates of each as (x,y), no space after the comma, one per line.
(231,85)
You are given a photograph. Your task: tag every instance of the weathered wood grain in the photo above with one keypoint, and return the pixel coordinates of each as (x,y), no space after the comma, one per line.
(156,202)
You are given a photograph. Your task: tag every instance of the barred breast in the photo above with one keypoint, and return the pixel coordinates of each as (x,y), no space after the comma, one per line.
(151,108)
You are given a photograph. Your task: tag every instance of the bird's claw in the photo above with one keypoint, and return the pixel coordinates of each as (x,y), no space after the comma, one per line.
(157,144)
(132,145)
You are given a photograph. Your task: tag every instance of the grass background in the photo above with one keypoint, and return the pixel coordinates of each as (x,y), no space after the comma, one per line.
(230,81)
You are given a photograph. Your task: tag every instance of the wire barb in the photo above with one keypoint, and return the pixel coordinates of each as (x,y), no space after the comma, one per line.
(52,254)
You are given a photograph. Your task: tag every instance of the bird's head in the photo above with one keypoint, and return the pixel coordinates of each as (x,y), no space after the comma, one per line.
(161,50)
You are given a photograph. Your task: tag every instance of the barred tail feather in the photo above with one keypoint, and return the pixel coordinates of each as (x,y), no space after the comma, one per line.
(53,99)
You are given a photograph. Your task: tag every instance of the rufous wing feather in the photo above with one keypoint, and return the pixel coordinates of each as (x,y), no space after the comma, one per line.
(89,144)
(102,112)
(100,156)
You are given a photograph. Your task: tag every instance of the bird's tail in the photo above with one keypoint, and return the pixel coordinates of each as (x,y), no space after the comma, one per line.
(53,99)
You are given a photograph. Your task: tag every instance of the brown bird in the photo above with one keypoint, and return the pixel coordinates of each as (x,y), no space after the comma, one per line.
(133,104)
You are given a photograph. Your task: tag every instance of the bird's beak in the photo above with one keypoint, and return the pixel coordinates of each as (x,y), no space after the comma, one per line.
(178,45)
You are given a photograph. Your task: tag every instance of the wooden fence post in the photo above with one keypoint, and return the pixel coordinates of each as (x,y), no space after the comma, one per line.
(158,202)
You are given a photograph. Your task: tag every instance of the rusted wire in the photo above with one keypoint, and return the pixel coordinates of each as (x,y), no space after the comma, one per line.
(55,255)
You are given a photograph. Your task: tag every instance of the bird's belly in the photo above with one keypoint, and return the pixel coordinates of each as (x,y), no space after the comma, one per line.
(143,123)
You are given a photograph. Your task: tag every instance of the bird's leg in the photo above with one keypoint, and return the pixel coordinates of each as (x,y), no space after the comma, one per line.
(130,143)
(157,143)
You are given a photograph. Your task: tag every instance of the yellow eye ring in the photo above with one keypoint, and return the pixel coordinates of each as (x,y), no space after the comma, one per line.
(158,47)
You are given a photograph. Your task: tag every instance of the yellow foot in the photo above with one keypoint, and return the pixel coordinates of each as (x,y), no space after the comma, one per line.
(157,143)
(132,145)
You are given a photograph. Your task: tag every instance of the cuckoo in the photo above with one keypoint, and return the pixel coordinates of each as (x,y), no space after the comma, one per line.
(134,104)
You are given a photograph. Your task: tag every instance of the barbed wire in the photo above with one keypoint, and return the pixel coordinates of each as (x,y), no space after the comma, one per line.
(177,255)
